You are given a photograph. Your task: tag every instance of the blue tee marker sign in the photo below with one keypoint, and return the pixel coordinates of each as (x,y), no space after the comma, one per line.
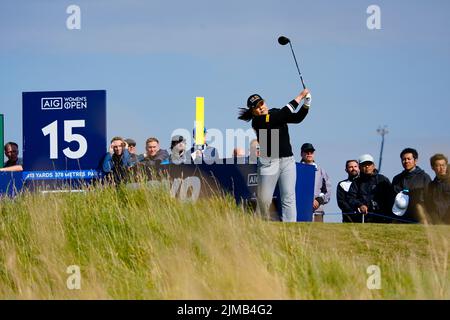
(63,130)
(2,142)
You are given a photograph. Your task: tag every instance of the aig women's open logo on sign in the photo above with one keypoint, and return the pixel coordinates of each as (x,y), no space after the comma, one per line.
(252,179)
(68,103)
(51,103)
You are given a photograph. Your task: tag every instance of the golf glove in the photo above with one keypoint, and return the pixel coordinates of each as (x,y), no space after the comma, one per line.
(307,100)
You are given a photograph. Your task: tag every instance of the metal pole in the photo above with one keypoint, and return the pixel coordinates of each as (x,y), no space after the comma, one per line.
(381,153)
(382,131)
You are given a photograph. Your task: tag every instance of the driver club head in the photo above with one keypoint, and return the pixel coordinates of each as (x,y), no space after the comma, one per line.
(283,40)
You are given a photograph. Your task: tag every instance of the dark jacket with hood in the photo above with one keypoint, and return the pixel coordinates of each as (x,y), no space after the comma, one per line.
(376,192)
(438,199)
(416,181)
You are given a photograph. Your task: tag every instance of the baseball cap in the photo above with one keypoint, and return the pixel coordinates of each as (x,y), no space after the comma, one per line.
(365,158)
(176,140)
(307,147)
(253,100)
(130,142)
(400,204)
(194,131)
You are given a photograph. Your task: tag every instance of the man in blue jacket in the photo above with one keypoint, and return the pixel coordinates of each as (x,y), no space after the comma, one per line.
(117,161)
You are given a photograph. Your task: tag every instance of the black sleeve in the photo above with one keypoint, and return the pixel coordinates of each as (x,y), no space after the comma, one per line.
(342,200)
(426,182)
(388,195)
(429,197)
(298,117)
(354,200)
(275,119)
(397,184)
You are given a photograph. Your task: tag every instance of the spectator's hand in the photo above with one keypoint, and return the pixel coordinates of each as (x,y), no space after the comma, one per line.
(111,151)
(316,204)
(363,209)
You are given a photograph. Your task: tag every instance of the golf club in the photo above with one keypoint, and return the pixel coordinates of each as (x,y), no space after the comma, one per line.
(284,41)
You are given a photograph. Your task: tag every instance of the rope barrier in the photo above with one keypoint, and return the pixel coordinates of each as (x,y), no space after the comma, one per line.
(373,214)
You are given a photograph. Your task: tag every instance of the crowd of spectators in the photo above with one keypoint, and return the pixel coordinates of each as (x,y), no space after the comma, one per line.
(364,196)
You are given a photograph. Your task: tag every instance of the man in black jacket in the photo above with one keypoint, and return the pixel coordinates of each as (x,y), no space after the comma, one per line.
(352,169)
(413,179)
(438,200)
(371,194)
(154,154)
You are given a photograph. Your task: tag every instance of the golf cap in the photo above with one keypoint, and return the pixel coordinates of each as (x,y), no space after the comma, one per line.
(400,204)
(307,147)
(131,142)
(253,100)
(195,130)
(365,158)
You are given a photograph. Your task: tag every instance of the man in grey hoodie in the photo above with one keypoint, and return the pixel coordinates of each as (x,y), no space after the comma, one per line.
(413,179)
(322,184)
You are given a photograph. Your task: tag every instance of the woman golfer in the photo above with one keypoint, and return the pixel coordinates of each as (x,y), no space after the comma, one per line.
(276,163)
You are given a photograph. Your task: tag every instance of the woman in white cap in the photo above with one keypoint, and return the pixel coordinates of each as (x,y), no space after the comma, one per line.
(276,163)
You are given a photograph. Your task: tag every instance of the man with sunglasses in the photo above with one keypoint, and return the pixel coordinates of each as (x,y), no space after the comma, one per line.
(131,146)
(371,194)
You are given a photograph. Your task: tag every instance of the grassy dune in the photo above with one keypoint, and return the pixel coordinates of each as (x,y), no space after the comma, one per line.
(144,244)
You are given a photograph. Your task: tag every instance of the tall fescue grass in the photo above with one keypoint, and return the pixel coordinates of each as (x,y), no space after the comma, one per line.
(144,244)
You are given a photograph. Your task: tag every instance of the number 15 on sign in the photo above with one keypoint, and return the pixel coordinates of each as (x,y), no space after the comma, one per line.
(52,131)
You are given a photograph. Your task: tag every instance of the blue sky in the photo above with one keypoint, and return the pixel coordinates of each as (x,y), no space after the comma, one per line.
(155,57)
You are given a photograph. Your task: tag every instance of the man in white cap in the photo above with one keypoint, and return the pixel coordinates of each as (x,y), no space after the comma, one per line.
(371,194)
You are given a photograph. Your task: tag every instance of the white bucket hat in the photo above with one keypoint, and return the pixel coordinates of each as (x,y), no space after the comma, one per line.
(400,204)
